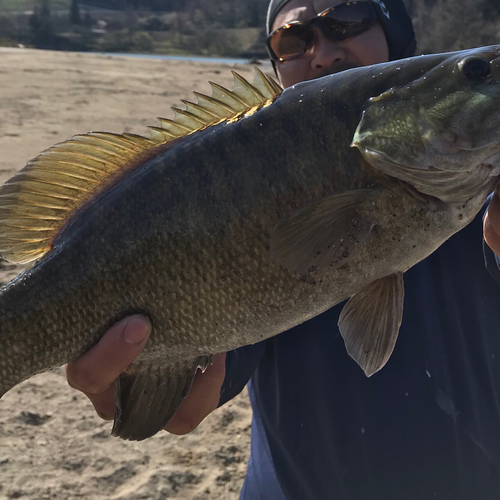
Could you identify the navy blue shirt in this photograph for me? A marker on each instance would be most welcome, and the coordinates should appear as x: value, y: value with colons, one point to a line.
x: 427, y: 426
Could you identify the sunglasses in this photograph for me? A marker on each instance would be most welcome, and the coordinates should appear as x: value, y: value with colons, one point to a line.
x: 337, y: 23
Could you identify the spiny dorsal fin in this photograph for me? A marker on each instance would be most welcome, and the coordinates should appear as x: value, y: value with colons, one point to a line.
x: 40, y: 198
x: 223, y: 105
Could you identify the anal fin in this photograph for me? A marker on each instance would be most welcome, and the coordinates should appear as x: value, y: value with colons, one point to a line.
x: 369, y: 322
x: 146, y: 399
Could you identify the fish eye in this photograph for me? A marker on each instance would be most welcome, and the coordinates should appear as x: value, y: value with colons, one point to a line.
x: 474, y: 67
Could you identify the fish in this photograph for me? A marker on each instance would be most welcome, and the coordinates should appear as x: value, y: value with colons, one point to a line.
x: 248, y: 213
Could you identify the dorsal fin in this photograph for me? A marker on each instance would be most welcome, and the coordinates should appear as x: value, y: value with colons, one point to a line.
x: 40, y: 198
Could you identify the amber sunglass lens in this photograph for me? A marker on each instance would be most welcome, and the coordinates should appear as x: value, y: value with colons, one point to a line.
x: 346, y: 20
x: 291, y: 42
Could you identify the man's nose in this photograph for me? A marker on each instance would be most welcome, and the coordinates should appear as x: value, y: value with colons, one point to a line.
x: 326, y: 53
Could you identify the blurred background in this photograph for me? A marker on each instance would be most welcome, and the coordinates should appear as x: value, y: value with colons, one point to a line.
x: 210, y: 28
x: 177, y: 27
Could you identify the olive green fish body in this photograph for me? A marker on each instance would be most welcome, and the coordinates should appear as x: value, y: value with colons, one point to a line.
x: 240, y: 231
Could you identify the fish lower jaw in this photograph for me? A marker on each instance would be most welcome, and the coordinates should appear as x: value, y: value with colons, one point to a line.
x: 493, y: 162
x: 456, y: 187
x: 464, y: 212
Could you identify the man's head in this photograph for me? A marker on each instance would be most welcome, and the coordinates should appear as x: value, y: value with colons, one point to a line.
x: 382, y: 32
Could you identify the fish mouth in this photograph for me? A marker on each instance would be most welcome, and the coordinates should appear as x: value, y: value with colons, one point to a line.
x: 439, y: 135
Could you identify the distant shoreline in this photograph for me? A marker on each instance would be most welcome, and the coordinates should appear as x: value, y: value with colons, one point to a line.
x: 192, y: 58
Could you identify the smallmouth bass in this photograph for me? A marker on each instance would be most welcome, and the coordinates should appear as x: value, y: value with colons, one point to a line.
x: 245, y: 216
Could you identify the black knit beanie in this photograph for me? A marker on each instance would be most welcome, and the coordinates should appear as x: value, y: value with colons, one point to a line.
x: 392, y: 16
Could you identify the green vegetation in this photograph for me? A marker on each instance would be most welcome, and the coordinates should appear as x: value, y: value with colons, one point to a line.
x: 445, y: 25
x: 8, y: 6
x: 218, y: 27
x: 211, y: 27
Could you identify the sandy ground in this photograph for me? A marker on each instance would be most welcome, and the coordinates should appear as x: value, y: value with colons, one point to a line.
x: 52, y: 445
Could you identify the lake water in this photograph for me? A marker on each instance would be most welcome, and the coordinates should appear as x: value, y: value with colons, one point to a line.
x: 218, y: 60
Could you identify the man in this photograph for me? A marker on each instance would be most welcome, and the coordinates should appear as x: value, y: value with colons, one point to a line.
x: 428, y: 425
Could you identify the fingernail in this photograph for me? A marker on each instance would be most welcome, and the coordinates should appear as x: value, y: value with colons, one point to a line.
x: 104, y: 416
x: 136, y: 330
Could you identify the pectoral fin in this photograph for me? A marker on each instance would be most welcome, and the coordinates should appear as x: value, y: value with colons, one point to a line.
x: 324, y: 232
x: 370, y: 321
x: 147, y: 399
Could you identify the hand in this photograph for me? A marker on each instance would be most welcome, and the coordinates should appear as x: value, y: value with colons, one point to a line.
x: 492, y: 224
x: 94, y: 374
